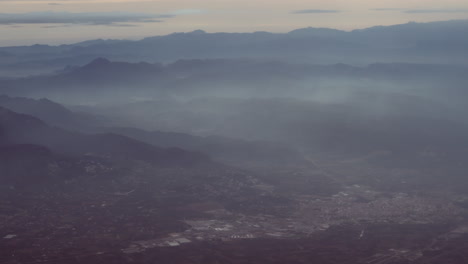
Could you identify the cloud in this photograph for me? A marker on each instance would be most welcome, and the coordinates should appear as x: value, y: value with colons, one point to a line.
x: 429, y: 11
x: 423, y: 11
x: 125, y: 25
x: 103, y: 18
x: 70, y: 25
x: 315, y: 11
x: 387, y: 9
x: 187, y: 12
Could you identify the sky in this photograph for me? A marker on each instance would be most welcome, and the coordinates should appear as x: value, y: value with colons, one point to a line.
x: 26, y: 22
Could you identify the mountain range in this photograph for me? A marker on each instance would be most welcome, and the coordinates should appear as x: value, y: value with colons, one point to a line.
x: 97, y: 130
x: 25, y: 129
x: 434, y: 42
x: 95, y: 81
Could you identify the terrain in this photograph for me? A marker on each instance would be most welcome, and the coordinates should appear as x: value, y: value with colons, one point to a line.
x: 435, y: 42
x: 101, y: 207
x: 313, y: 146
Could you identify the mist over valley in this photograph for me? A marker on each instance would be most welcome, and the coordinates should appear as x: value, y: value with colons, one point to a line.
x: 313, y: 146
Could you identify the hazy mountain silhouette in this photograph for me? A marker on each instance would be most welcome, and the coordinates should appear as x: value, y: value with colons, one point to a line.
x: 402, y: 125
x: 51, y: 112
x: 101, y: 77
x: 312, y: 146
x: 410, y: 37
x: 226, y: 150
x: 435, y: 42
x: 24, y: 129
x: 222, y: 149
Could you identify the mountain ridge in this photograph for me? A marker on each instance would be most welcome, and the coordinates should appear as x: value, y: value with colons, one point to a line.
x: 25, y: 129
x: 434, y: 42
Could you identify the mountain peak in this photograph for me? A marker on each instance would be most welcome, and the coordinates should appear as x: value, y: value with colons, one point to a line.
x: 198, y: 32
x: 99, y: 61
x: 317, y: 31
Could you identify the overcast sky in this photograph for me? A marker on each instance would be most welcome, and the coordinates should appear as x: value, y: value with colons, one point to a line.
x: 24, y: 22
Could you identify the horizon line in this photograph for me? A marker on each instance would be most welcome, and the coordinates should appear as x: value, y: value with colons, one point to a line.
x: 201, y: 31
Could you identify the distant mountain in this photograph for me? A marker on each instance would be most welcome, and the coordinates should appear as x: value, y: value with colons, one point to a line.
x: 403, y: 126
x: 100, y: 75
x: 318, y: 32
x: 49, y: 111
x: 98, y: 42
x: 24, y: 129
x: 226, y: 150
x: 448, y: 36
x: 232, y: 151
x: 103, y: 80
x: 102, y: 68
x: 310, y: 42
x: 434, y: 42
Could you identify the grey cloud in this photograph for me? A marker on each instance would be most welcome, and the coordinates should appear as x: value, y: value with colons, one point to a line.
x: 188, y: 12
x: 104, y: 18
x: 57, y: 26
x: 70, y: 25
x: 315, y: 11
x: 427, y: 11
x: 387, y: 9
x: 127, y: 25
x: 423, y: 11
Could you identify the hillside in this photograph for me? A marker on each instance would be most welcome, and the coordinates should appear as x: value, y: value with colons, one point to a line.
x: 25, y: 129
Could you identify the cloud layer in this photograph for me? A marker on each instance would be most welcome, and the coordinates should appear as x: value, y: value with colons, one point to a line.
x: 103, y: 18
x: 428, y: 11
x: 388, y: 9
x: 315, y: 11
x: 424, y: 11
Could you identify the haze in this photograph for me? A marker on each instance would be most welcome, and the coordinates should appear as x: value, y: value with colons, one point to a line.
x: 215, y: 131
x: 211, y: 16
